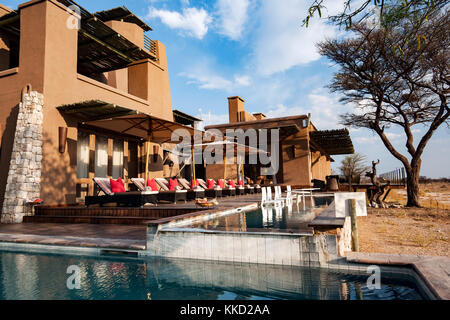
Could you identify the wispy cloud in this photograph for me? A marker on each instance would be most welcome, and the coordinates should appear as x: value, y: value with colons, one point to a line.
x: 191, y: 21
x: 233, y: 15
x: 204, y: 77
x: 281, y: 42
x: 322, y: 105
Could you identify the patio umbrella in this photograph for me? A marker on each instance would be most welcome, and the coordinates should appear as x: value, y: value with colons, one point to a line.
x: 225, y: 144
x: 144, y: 126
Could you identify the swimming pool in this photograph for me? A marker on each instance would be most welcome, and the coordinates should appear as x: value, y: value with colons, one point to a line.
x: 292, y: 218
x: 27, y: 276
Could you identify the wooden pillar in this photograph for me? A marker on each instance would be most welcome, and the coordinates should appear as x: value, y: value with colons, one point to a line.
x: 354, y: 220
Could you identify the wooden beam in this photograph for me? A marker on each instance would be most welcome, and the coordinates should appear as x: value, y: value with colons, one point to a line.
x: 109, y: 47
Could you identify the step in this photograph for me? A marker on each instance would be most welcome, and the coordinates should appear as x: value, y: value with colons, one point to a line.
x: 88, y: 220
x: 155, y: 212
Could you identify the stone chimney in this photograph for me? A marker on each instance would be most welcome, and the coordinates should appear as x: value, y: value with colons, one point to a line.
x: 235, y: 107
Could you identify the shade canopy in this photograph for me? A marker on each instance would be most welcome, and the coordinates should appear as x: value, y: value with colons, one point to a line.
x: 95, y: 110
x: 333, y: 142
x: 144, y: 126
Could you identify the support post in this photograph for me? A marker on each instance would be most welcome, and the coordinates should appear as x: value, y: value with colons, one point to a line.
x: 354, y: 220
x: 147, y: 158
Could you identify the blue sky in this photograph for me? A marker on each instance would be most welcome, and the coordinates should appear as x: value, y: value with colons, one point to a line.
x: 259, y: 51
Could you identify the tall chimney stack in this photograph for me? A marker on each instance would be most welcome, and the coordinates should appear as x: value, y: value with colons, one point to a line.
x: 236, y: 105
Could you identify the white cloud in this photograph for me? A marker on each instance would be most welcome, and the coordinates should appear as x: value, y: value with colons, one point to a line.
x: 207, y: 81
x: 192, y: 21
x: 210, y: 119
x: 233, y: 15
x: 281, y: 42
x: 204, y: 77
x: 324, y: 109
x: 243, y: 81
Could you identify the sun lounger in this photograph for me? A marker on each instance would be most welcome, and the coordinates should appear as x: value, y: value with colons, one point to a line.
x: 197, y: 193
x: 215, y: 192
x: 228, y: 190
x: 129, y: 199
x: 168, y: 195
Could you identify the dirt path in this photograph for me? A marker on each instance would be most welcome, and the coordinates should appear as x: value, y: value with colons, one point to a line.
x: 409, y: 231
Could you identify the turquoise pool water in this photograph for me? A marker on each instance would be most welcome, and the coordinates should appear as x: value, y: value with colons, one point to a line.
x: 291, y: 218
x: 26, y: 276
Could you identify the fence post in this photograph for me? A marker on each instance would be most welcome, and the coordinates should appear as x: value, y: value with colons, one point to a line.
x: 354, y: 222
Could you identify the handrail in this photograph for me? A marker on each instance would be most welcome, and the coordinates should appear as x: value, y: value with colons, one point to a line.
x: 150, y: 45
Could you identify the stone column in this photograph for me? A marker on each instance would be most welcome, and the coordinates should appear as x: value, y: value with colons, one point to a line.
x: 24, y: 177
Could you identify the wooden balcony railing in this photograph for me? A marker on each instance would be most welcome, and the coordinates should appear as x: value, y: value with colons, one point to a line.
x: 150, y: 45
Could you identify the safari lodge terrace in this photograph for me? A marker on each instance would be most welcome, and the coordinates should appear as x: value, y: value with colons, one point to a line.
x: 88, y: 162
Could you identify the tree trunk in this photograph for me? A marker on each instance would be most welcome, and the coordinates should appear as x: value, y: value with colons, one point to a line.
x: 412, y: 184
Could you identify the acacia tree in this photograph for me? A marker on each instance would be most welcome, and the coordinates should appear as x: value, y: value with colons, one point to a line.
x: 353, y: 166
x: 395, y: 88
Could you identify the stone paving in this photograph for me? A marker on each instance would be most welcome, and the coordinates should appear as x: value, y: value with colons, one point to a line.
x: 76, y: 235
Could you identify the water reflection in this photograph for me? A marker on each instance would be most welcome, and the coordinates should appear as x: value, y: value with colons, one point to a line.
x: 32, y: 276
x: 292, y: 217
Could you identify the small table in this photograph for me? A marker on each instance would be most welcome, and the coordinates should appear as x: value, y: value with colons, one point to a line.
x: 305, y: 192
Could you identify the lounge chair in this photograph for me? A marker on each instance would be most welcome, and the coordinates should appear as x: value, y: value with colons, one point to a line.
x: 215, y: 192
x: 161, y: 195
x: 197, y: 193
x: 129, y: 199
x: 240, y: 190
x: 248, y: 188
x: 168, y: 195
x: 228, y: 190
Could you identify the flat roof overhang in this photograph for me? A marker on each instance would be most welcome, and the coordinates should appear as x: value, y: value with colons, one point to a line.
x: 332, y: 142
x: 95, y: 110
x: 122, y: 14
x: 184, y: 118
x: 288, y: 126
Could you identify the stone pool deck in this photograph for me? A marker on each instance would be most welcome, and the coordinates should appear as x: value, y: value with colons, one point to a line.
x: 76, y: 235
x: 435, y: 271
x: 108, y: 236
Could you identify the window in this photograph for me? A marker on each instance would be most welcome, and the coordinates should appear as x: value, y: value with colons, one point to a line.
x: 117, y: 159
x: 82, y: 155
x: 101, y: 156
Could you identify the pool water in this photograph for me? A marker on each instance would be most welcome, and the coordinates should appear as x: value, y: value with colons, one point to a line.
x: 293, y: 218
x: 25, y: 276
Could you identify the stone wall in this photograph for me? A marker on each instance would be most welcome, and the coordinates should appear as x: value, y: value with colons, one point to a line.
x: 24, y: 177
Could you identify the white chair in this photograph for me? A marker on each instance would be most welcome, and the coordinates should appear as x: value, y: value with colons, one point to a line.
x: 263, y: 195
x: 279, y: 196
x: 266, y: 198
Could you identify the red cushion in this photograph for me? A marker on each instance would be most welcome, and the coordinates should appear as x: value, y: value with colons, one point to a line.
x: 173, y: 183
x: 117, y: 186
x: 241, y: 183
x: 211, y: 183
x: 194, y: 184
x: 222, y: 183
x: 152, y: 184
x: 232, y: 184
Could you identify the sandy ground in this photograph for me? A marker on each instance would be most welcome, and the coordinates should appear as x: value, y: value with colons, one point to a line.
x: 420, y: 231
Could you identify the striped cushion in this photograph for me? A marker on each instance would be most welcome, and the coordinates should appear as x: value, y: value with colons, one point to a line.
x: 139, y: 183
x: 162, y: 183
x: 104, y: 184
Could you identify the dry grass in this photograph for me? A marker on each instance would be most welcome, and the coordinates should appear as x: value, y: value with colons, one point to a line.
x: 432, y: 195
x: 421, y: 231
